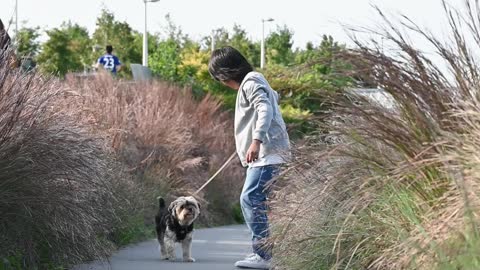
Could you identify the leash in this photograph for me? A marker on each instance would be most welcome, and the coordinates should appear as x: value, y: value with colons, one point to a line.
x: 215, y: 174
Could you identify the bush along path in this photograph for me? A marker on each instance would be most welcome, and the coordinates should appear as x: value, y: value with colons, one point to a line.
x: 79, y: 156
x: 215, y: 248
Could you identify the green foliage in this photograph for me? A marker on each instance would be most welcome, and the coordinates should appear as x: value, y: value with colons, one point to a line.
x: 65, y: 50
x: 294, y: 114
x: 16, y: 262
x: 300, y: 121
x: 80, y: 43
x: 194, y: 71
x: 55, y: 57
x: 12, y: 262
x: 27, y: 42
x: 317, y: 69
x: 240, y: 41
x: 237, y: 39
x: 183, y: 61
x: 165, y: 60
x: 279, y: 46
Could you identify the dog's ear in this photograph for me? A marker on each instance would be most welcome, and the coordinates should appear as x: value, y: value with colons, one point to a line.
x: 192, y: 199
x: 171, y: 207
x: 198, y: 205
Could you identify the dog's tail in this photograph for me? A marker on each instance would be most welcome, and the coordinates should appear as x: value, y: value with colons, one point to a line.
x: 161, y: 202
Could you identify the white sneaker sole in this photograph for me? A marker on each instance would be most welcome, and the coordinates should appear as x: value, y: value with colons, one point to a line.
x: 250, y: 265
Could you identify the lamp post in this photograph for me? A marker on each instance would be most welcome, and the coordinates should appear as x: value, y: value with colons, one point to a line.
x: 16, y: 21
x: 145, y: 35
x: 262, y: 49
x: 213, y: 41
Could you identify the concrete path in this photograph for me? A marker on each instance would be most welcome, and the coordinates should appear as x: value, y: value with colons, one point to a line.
x: 216, y: 248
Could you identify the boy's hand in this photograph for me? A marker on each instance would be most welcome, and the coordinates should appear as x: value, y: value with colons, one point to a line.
x: 253, y: 150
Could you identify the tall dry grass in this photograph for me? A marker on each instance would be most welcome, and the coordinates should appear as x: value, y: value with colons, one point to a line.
x: 59, y: 189
x: 82, y: 161
x: 171, y: 142
x: 400, y: 188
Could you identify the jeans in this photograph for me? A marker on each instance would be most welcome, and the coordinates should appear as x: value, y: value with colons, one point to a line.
x: 253, y: 201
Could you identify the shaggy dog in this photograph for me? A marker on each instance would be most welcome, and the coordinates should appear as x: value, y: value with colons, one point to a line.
x: 175, y: 224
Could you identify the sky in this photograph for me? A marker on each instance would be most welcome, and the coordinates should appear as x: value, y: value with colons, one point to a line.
x: 309, y: 19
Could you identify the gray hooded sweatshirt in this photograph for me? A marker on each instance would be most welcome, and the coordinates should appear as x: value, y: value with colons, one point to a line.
x: 257, y: 116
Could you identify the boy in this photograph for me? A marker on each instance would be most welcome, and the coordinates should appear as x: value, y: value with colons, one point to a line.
x: 261, y: 141
x: 109, y: 61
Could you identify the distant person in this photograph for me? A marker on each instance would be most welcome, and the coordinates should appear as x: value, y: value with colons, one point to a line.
x: 109, y: 61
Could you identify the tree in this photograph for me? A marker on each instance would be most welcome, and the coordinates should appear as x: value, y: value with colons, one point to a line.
x: 56, y: 56
x: 67, y: 49
x: 175, y: 32
x: 241, y: 42
x: 27, y: 42
x: 314, y: 68
x: 279, y: 46
x: 237, y: 39
x: 221, y: 36
x: 164, y: 61
x: 80, y: 44
x: 194, y: 71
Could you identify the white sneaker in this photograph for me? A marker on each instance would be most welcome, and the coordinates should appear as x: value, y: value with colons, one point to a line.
x: 253, y: 262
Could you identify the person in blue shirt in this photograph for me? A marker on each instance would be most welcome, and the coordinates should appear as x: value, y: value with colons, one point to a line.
x: 109, y: 61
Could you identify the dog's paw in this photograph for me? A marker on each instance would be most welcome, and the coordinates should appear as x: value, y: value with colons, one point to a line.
x: 189, y: 259
x: 168, y: 258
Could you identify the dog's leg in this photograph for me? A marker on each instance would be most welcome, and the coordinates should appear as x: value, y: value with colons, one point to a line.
x: 187, y: 249
x: 163, y: 251
x: 170, y: 249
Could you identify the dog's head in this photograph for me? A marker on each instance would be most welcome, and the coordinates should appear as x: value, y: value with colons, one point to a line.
x: 185, y: 210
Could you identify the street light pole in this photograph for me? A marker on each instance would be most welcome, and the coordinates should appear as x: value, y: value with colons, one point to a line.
x: 16, y: 20
x: 213, y: 40
x: 262, y: 45
x: 145, y: 39
x: 145, y: 36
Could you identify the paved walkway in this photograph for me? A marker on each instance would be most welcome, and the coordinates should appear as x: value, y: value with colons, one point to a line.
x: 216, y: 248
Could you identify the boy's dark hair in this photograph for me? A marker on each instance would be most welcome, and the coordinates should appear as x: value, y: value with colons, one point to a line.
x: 228, y: 64
x: 109, y: 49
x: 2, y: 27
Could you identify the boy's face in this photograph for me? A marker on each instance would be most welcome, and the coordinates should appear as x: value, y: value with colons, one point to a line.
x: 232, y: 84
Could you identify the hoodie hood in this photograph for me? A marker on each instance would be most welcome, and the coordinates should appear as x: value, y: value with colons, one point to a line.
x: 257, y: 78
